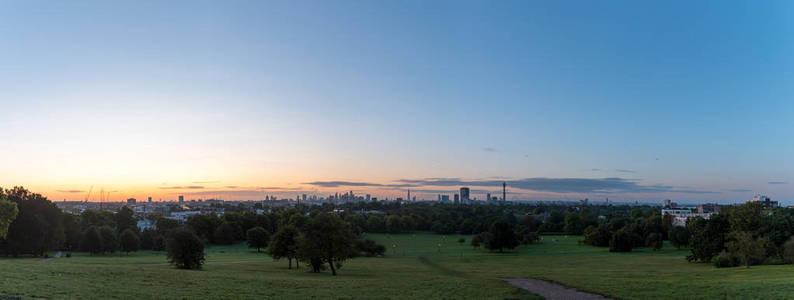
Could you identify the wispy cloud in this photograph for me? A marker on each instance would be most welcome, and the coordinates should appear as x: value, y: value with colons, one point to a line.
x: 231, y: 186
x: 625, y: 171
x: 778, y: 182
x: 333, y: 184
x: 564, y: 185
x: 70, y: 191
x: 189, y: 187
x: 489, y: 149
x: 740, y: 190
x: 206, y: 182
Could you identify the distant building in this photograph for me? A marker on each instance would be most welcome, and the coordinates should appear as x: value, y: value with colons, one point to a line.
x: 444, y: 198
x: 765, y: 201
x: 181, y: 199
x: 131, y: 201
x: 681, y: 216
x: 150, y: 199
x: 488, y: 197
x: 708, y: 208
x: 464, y: 195
x: 457, y: 199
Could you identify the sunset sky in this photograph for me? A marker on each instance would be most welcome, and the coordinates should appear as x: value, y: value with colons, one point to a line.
x: 691, y: 101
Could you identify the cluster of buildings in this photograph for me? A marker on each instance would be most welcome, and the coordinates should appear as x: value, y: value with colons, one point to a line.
x: 464, y: 197
x: 681, y: 215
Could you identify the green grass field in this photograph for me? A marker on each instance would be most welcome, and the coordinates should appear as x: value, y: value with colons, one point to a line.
x: 417, y: 266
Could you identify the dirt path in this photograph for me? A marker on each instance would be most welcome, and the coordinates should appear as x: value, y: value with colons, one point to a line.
x: 551, y: 291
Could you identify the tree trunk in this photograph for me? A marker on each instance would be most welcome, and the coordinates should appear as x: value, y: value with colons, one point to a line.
x: 331, y: 262
x: 290, y: 262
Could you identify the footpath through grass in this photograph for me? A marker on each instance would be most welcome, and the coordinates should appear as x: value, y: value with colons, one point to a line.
x: 418, y: 266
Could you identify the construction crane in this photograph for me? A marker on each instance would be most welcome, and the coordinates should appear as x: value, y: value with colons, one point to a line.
x: 89, y: 193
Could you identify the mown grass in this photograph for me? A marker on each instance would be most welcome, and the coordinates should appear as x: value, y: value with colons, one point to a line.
x: 418, y: 266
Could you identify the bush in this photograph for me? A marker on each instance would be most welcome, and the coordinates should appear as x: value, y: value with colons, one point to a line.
x: 726, y: 260
x: 367, y: 247
x: 621, y: 241
x: 461, y: 240
x: 185, y: 249
x: 596, y: 236
x: 526, y: 237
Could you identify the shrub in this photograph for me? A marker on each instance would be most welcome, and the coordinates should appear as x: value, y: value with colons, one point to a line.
x: 461, y: 240
x: 185, y: 249
x: 726, y: 260
x: 367, y: 247
x: 596, y: 236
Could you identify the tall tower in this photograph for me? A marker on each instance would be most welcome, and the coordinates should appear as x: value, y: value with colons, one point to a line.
x: 504, y: 191
x: 409, y: 194
x: 464, y: 195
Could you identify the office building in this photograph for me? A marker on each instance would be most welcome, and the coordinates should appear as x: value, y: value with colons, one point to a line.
x: 464, y: 195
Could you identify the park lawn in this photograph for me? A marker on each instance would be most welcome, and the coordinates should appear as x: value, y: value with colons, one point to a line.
x: 417, y: 266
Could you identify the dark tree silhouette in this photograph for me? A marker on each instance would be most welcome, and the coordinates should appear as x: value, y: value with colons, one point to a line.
x: 185, y: 249
x: 256, y: 238
x: 284, y: 244
x: 129, y: 241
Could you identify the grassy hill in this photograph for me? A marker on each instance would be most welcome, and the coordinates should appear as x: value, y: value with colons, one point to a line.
x: 416, y: 266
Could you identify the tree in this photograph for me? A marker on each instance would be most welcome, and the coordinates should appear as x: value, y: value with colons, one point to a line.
x: 184, y: 249
x: 283, y: 243
x: 8, y: 213
x: 129, y: 241
x: 326, y: 239
x: 110, y: 241
x: 708, y: 237
x: 394, y: 224
x: 679, y: 236
x: 501, y: 237
x: 71, y: 231
x: 788, y: 251
x: 256, y: 238
x: 621, y: 241
x: 165, y: 225
x: 125, y: 219
x: 204, y: 225
x: 597, y: 236
x: 478, y: 240
x: 574, y: 223
x: 91, y: 241
x: 748, y: 248
x: 224, y: 234
x: 38, y: 226
x: 654, y: 240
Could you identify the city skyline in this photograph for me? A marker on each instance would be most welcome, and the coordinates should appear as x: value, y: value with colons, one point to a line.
x: 631, y: 101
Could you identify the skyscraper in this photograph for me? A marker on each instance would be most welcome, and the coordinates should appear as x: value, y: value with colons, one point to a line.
x: 457, y: 199
x: 464, y: 195
x: 181, y: 199
x: 150, y: 199
x: 504, y: 191
x: 488, y: 198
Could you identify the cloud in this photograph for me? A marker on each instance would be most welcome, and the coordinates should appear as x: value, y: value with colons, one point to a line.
x: 333, y: 184
x: 489, y: 149
x: 595, y: 169
x: 625, y: 171
x: 205, y: 182
x: 563, y: 185
x: 276, y: 188
x: 740, y: 190
x: 778, y: 182
x: 189, y: 187
x: 70, y: 191
x: 231, y: 186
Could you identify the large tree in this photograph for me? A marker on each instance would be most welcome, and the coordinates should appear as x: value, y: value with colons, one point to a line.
x: 125, y: 219
x: 91, y: 241
x: 750, y: 249
x: 110, y: 241
x: 8, y: 212
x: 256, y: 238
x: 284, y: 243
x: 37, y: 227
x: 185, y: 249
x: 129, y: 241
x: 501, y: 236
x: 326, y: 239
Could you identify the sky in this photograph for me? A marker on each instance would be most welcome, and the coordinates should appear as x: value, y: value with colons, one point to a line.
x: 631, y: 100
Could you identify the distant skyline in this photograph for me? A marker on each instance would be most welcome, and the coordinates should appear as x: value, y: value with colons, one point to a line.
x: 681, y: 100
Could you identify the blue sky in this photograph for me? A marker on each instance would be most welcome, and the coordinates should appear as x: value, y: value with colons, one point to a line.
x: 138, y: 96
